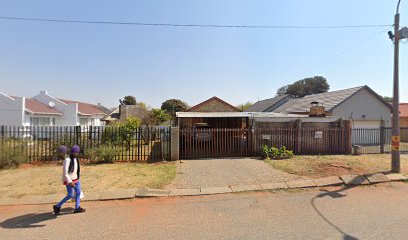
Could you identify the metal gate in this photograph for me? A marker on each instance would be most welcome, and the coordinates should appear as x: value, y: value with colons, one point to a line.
x: 215, y: 142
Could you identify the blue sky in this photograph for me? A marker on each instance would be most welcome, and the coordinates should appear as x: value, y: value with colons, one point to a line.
x: 102, y: 63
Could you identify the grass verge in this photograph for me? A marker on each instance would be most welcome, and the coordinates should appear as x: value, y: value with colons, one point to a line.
x: 46, y: 179
x: 337, y: 165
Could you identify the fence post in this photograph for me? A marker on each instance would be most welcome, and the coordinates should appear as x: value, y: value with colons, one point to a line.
x: 77, y: 134
x: 2, y: 131
x: 174, y: 143
x: 382, y: 137
x: 347, y: 128
x: 298, y: 128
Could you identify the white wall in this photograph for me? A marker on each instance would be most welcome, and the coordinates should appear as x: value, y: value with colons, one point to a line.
x: 364, y: 103
x: 27, y: 118
x: 69, y: 111
x: 11, y: 110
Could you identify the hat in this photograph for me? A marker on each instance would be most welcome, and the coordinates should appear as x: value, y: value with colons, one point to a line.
x: 75, y: 149
x: 62, y: 149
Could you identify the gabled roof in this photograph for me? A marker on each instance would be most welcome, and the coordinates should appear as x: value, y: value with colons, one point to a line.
x: 36, y: 107
x: 403, y: 108
x: 263, y: 105
x: 227, y: 105
x: 110, y: 116
x: 85, y: 108
x: 330, y: 100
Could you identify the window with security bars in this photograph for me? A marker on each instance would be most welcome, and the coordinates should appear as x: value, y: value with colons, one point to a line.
x: 42, y: 121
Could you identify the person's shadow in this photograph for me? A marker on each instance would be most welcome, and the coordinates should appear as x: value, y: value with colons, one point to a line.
x: 32, y: 220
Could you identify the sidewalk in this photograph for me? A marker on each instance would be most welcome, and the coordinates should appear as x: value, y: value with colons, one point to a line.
x: 346, y: 180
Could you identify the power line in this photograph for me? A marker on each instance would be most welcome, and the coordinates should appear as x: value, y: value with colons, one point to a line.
x: 191, y: 25
x: 340, y: 54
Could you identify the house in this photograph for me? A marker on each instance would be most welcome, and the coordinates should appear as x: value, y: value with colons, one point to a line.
x: 46, y: 110
x: 216, y: 113
x: 364, y: 107
x: 213, y: 112
x: 403, y: 108
x: 125, y: 111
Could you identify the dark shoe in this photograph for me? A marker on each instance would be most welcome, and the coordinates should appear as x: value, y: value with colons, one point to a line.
x: 79, y: 210
x: 56, y: 209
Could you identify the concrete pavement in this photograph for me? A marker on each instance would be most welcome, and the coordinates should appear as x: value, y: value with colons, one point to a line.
x: 346, y: 180
x: 370, y: 212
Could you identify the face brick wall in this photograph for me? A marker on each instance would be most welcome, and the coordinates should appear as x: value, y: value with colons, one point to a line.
x: 213, y: 105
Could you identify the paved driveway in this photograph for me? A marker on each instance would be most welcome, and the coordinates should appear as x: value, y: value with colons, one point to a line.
x: 226, y: 172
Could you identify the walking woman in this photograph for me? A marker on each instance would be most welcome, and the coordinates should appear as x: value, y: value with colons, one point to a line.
x: 70, y: 178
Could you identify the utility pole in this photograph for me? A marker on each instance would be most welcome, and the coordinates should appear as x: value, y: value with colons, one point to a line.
x: 395, y: 147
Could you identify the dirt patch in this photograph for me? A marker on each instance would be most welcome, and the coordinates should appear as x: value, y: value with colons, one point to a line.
x: 337, y: 165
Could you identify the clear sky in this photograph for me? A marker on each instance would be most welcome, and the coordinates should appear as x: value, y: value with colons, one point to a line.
x: 102, y: 63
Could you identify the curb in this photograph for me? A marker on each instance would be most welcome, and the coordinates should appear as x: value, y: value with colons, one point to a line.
x: 345, y: 180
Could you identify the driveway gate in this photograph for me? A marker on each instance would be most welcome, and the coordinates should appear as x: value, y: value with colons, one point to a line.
x: 215, y: 142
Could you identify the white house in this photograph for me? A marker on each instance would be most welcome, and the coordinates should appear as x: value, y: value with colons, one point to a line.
x: 45, y: 110
x: 364, y: 107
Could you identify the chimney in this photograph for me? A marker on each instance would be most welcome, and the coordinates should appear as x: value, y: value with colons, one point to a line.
x: 122, y: 112
x: 317, y: 110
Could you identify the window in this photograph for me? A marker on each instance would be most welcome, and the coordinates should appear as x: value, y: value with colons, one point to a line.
x: 83, y: 121
x: 42, y: 121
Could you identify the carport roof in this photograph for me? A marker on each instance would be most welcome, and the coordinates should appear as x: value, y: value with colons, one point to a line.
x: 235, y: 115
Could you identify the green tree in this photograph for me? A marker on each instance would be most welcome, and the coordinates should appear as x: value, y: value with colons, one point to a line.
x: 388, y: 99
x: 244, y: 106
x: 128, y: 100
x: 159, y: 116
x: 304, y: 87
x: 172, y: 106
x: 127, y: 129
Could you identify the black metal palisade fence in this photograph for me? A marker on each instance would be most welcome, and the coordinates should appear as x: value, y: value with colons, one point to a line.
x: 40, y: 143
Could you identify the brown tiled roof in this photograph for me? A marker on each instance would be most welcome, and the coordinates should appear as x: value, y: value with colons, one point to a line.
x: 403, y: 108
x: 85, y: 108
x: 192, y: 109
x: 39, y: 108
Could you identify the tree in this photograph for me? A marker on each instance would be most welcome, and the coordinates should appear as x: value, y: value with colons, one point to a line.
x: 304, y: 87
x: 244, y: 106
x: 128, y: 100
x: 159, y: 116
x: 172, y: 106
x: 388, y: 99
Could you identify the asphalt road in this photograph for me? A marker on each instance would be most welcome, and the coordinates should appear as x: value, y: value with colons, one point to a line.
x: 378, y: 212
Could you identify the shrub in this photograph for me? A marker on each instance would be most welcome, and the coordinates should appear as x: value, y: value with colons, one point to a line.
x: 105, y: 153
x: 11, y: 157
x: 276, y: 153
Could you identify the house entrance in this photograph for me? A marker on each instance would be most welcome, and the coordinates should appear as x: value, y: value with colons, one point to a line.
x: 205, y: 142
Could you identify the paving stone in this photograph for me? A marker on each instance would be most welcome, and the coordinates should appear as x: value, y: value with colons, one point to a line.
x: 118, y: 194
x: 355, y: 180
x: 243, y: 188
x: 8, y: 201
x: 396, y: 177
x: 157, y: 193
x: 273, y: 186
x: 40, y: 199
x: 301, y: 184
x: 92, y: 196
x: 185, y: 192
x: 376, y: 178
x: 206, y: 173
x: 328, y: 181
x: 215, y: 190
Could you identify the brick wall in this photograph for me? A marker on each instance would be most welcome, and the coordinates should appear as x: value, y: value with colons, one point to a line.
x: 213, y: 105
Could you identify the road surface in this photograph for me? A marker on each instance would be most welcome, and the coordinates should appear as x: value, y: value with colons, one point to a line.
x: 375, y: 212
